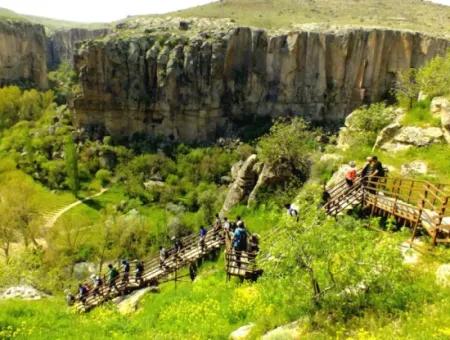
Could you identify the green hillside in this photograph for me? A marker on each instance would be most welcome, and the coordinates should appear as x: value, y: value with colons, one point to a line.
x: 50, y: 24
x: 407, y: 14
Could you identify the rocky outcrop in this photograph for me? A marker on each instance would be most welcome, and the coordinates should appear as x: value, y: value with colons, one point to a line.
x: 443, y: 275
x: 62, y: 44
x: 286, y: 332
x: 243, y: 184
x: 242, y: 333
x: 22, y: 292
x: 195, y: 87
x: 23, y: 58
x: 130, y: 303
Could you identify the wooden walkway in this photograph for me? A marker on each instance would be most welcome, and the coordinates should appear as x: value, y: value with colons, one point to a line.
x: 418, y: 204
x: 241, y: 264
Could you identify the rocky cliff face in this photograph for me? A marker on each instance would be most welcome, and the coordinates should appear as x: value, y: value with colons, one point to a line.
x: 198, y: 87
x: 62, y: 44
x: 23, y: 54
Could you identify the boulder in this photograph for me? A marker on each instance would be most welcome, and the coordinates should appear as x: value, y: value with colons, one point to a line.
x: 445, y: 119
x: 395, y: 147
x: 242, y: 186
x: 235, y: 169
x: 417, y: 136
x: 286, y: 332
x: 266, y: 177
x: 84, y: 269
x: 130, y: 303
x: 24, y: 292
x: 438, y: 104
x: 443, y: 275
x: 242, y: 333
x: 414, y: 168
x: 387, y: 134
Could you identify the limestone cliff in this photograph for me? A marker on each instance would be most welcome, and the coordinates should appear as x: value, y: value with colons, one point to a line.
x: 197, y: 87
x: 62, y: 44
x: 23, y: 54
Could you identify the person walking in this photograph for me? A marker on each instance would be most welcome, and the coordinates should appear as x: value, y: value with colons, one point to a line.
x: 162, y: 257
x: 202, y: 239
x: 113, y: 275
x: 139, y: 273
x: 126, y: 272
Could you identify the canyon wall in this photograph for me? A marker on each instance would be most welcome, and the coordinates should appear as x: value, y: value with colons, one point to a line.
x: 197, y: 88
x: 62, y: 44
x: 23, y: 54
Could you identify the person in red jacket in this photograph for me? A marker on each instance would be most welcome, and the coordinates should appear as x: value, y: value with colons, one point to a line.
x: 351, y: 174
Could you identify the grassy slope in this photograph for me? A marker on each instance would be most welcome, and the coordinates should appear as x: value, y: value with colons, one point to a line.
x: 50, y: 24
x: 405, y: 14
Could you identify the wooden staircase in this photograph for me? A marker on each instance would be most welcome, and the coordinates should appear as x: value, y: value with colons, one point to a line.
x: 154, y: 273
x: 419, y: 204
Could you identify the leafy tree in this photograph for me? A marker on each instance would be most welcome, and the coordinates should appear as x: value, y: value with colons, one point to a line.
x: 434, y: 77
x: 71, y: 158
x: 8, y: 232
x: 287, y: 147
x: 406, y: 88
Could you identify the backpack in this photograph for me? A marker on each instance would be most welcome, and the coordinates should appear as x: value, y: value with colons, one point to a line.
x: 114, y: 273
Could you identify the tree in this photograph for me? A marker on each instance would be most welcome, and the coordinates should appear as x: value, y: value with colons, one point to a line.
x: 287, y: 147
x: 71, y: 158
x: 340, y: 265
x: 434, y: 77
x: 407, y: 88
x: 8, y: 232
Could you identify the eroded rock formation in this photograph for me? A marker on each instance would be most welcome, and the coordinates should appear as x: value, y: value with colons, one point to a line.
x: 62, y: 44
x: 195, y: 87
x: 23, y: 54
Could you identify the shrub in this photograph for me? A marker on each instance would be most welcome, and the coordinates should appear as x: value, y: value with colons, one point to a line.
x: 104, y: 176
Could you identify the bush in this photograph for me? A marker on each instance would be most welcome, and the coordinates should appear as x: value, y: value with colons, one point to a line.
x: 104, y: 176
x: 434, y: 77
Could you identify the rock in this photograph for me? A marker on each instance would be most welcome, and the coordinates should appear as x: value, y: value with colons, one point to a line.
x: 62, y: 44
x: 266, y: 177
x: 242, y: 186
x: 410, y: 255
x: 83, y: 270
x: 22, y: 292
x: 286, y: 332
x: 198, y: 87
x: 414, y: 168
x: 396, y: 147
x: 443, y: 275
x: 387, y: 134
x: 447, y: 136
x: 422, y: 96
x: 242, y: 333
x: 130, y: 303
x: 184, y: 25
x: 438, y: 104
x: 417, y: 136
x: 153, y: 184
x: 23, y: 54
x: 445, y: 118
x: 331, y: 157
x: 235, y: 169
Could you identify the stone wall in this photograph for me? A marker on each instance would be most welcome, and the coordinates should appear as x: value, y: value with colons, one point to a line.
x: 23, y: 58
x: 196, y: 88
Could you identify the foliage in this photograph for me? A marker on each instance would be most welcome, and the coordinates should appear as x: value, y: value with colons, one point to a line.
x: 434, y: 77
x: 420, y: 115
x: 71, y: 158
x: 406, y: 88
x: 64, y: 82
x: 287, y: 147
x: 16, y: 105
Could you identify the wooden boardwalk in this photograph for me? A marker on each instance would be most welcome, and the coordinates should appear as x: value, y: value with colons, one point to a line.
x: 418, y: 204
x: 241, y: 264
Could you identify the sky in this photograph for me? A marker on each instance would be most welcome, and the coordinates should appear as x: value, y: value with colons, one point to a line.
x: 103, y: 10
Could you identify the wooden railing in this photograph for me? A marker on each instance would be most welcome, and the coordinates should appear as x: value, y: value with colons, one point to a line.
x: 242, y: 264
x: 154, y: 270
x: 416, y: 202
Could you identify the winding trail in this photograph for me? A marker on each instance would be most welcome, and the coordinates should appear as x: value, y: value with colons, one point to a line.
x: 51, y: 219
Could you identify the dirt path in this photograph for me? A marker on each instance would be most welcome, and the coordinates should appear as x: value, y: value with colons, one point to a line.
x: 51, y: 220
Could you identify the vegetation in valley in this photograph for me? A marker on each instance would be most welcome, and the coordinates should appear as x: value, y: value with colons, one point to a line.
x: 338, y: 278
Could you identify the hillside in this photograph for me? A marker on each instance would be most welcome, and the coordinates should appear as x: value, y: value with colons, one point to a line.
x: 406, y: 14
x: 50, y: 24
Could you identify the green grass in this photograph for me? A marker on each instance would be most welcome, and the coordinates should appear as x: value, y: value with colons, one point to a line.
x: 420, y: 115
x: 406, y: 14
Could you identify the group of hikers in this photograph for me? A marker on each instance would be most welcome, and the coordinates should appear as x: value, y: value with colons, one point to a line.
x: 236, y: 236
x: 371, y: 172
